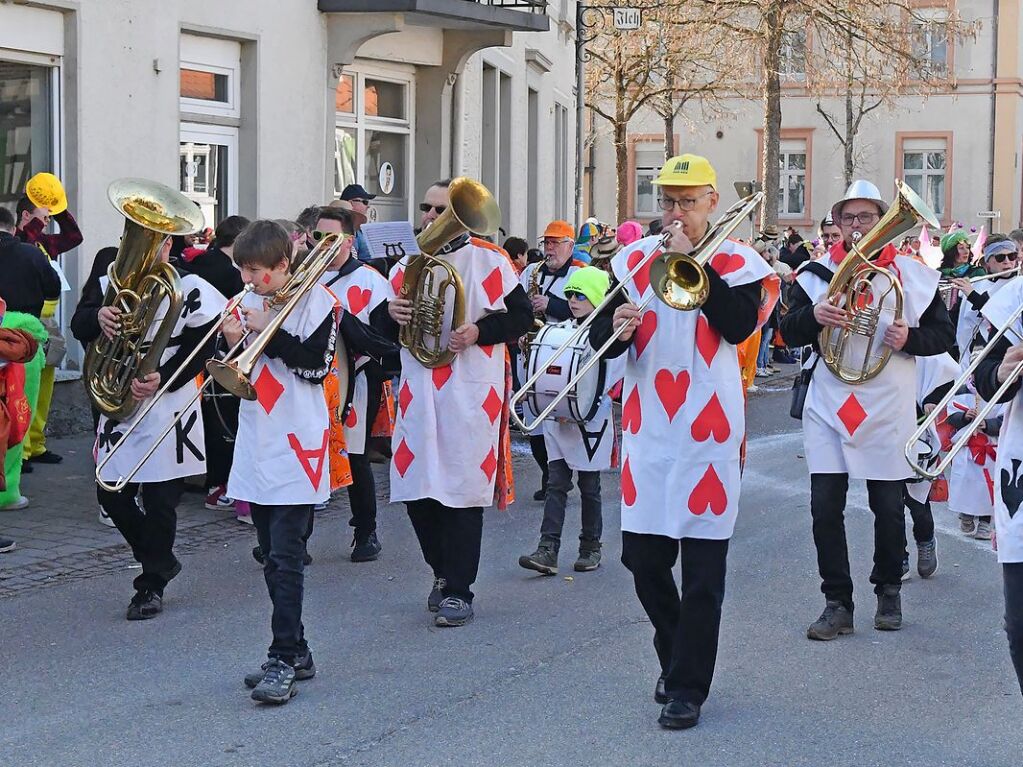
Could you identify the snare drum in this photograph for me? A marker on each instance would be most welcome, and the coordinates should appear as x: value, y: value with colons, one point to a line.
x: 583, y: 400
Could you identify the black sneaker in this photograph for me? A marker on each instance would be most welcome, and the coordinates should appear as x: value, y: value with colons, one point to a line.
x: 365, y: 548
x: 540, y: 494
x: 436, y: 595
x: 835, y: 621
x: 277, y: 684
x: 304, y: 669
x: 544, y: 560
x: 47, y: 456
x: 26, y: 467
x: 679, y: 715
x: 889, y: 610
x: 6, y: 544
x: 144, y: 605
x: 926, y: 558
x: 454, y: 611
x: 660, y: 696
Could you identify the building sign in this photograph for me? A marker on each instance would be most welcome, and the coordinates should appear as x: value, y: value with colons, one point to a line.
x: 627, y: 18
x: 386, y: 178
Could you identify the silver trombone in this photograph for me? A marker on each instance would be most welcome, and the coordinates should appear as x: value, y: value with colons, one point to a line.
x: 945, y: 287
x: 680, y: 283
x: 116, y: 487
x: 918, y: 464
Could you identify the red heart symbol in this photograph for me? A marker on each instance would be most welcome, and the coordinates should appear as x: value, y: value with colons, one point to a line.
x: 632, y: 413
x: 726, y: 263
x: 708, y: 493
x: 358, y: 299
x: 642, y: 277
x: 672, y: 390
x: 352, y: 418
x: 711, y: 421
x: 628, y: 485
x: 645, y: 331
x: 441, y: 376
x: 707, y: 340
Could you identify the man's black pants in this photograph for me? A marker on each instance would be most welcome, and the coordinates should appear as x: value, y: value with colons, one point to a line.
x: 827, y: 506
x: 686, y: 626
x: 220, y: 424
x: 362, y: 493
x: 923, y: 518
x: 450, y: 540
x: 150, y: 534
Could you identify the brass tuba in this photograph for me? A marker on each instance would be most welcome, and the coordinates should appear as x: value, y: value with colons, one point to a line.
x: 471, y: 208
x: 851, y: 352
x: 146, y: 290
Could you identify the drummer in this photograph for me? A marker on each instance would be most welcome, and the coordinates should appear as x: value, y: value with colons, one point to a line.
x: 586, y: 448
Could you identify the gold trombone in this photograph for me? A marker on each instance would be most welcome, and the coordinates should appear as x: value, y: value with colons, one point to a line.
x: 232, y: 372
x: 677, y: 279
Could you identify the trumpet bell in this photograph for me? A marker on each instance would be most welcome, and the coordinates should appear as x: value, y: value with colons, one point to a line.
x: 154, y: 206
x: 679, y: 281
x: 228, y: 376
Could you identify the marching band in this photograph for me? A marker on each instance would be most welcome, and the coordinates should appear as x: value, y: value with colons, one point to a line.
x: 317, y: 343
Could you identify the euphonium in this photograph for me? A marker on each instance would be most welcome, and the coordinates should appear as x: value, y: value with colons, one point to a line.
x: 851, y: 352
x: 428, y: 280
x: 142, y: 287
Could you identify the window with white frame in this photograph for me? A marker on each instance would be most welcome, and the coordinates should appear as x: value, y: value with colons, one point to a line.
x: 28, y: 141
x: 649, y: 159
x: 924, y: 168
x: 792, y: 179
x: 372, y: 145
x: 930, y: 41
x: 792, y: 55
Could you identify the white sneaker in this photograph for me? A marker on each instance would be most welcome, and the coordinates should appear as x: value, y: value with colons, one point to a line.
x: 753, y: 388
x: 761, y: 373
x: 967, y: 524
x: 245, y: 519
x: 983, y: 531
x: 104, y: 518
x: 21, y: 503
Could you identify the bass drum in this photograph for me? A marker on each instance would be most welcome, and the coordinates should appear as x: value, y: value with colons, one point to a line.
x: 583, y: 400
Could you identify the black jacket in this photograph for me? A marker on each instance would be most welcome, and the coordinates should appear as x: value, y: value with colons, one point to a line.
x: 217, y: 268
x: 26, y: 277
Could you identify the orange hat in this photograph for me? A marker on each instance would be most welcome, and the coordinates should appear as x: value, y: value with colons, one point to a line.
x: 559, y: 229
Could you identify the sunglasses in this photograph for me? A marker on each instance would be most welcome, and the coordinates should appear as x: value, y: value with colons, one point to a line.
x: 1003, y: 257
x: 425, y: 207
x: 570, y: 294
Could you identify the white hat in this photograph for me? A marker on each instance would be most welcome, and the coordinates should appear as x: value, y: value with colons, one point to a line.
x: 859, y: 190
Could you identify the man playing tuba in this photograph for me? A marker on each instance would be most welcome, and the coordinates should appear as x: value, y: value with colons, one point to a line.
x: 858, y: 430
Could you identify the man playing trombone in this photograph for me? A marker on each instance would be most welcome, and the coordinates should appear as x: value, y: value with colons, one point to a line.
x: 857, y: 428
x: 683, y: 423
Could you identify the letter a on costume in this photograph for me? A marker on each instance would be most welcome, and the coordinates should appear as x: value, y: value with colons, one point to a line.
x: 304, y: 456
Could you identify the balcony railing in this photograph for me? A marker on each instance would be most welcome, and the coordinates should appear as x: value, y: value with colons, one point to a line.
x: 516, y: 15
x: 533, y: 6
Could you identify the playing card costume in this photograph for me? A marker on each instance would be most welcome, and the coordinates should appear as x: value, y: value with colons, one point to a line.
x: 860, y: 431
x: 683, y: 422
x: 446, y: 444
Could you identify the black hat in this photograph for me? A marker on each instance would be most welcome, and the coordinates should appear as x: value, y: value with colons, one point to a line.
x: 356, y: 192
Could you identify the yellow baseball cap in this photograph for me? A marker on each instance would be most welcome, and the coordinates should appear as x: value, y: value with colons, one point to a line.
x: 44, y: 190
x: 687, y: 170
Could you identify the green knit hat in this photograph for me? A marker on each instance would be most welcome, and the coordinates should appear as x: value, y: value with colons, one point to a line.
x: 590, y: 281
x: 952, y: 239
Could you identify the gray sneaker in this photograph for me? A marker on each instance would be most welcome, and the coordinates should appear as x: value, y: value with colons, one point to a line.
x: 589, y: 557
x: 304, y: 669
x: 983, y: 532
x: 544, y: 560
x: 278, y: 683
x: 889, y: 610
x: 436, y: 595
x: 453, y: 611
x: 926, y: 558
x: 835, y: 621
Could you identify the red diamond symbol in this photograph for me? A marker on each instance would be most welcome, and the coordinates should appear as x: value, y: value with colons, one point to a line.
x: 268, y: 389
x: 403, y: 458
x: 852, y: 414
x: 397, y: 280
x: 404, y: 398
x: 493, y: 285
x: 489, y: 465
x: 440, y: 376
x: 492, y: 405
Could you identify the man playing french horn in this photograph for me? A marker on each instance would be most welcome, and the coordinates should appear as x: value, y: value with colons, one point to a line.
x: 856, y: 426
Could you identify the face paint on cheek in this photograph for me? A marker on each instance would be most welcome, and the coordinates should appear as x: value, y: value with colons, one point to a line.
x: 266, y: 279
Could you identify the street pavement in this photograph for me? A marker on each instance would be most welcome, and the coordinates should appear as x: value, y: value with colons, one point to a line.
x: 554, y: 671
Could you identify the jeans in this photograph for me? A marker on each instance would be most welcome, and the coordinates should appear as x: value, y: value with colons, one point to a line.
x: 764, y: 355
x: 150, y: 534
x: 686, y: 627
x: 558, y: 486
x: 281, y: 531
x: 923, y: 519
x: 827, y: 506
x: 450, y: 540
x: 1012, y: 575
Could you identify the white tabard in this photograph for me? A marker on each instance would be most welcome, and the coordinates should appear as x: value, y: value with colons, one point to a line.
x: 280, y: 453
x: 360, y: 291
x: 182, y: 452
x: 861, y: 430
x: 683, y: 415
x: 587, y: 446
x: 448, y: 419
x: 931, y: 373
x: 970, y: 320
x: 971, y: 485
x: 1009, y: 464
x: 552, y: 284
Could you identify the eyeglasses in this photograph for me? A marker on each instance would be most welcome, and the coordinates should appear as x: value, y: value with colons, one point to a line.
x: 426, y: 207
x: 831, y: 237
x: 570, y: 294
x: 863, y: 218
x: 554, y: 240
x: 686, y: 203
x: 1002, y: 257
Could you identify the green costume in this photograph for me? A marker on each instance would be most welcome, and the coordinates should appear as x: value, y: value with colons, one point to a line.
x: 33, y: 370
